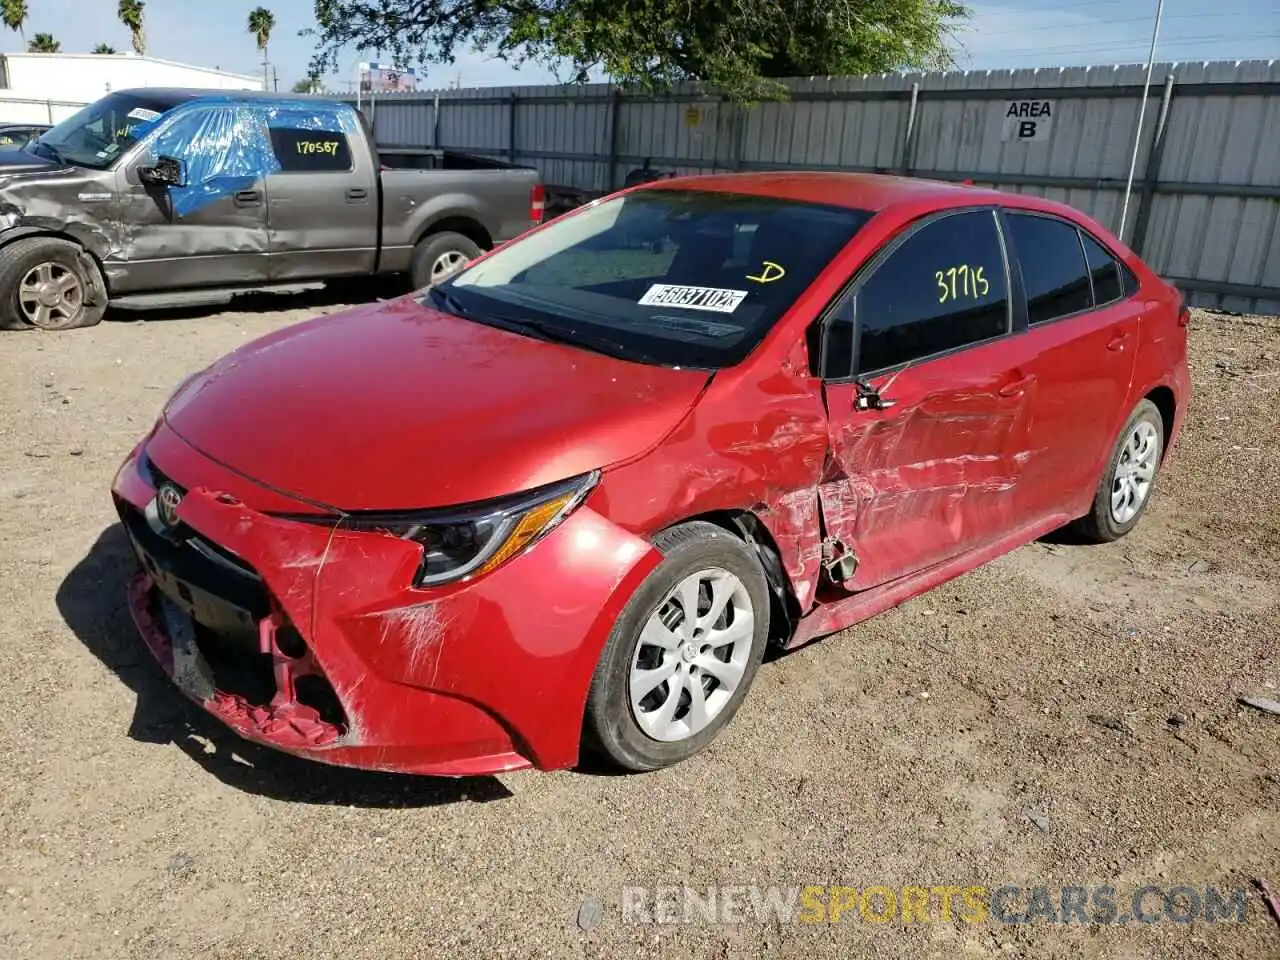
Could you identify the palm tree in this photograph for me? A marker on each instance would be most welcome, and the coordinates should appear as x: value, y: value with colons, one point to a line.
x: 103, y: 48
x: 130, y: 14
x: 44, y: 43
x: 14, y: 15
x: 261, y: 22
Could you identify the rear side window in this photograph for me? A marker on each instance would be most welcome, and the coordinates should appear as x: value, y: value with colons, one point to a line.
x: 1053, y: 268
x: 311, y: 151
x: 942, y: 289
x: 1104, y: 271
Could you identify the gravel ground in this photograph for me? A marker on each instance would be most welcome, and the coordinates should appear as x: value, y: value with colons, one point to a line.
x: 1066, y: 715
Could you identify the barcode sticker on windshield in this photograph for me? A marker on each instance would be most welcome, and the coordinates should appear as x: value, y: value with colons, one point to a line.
x: 142, y: 113
x: 693, y: 298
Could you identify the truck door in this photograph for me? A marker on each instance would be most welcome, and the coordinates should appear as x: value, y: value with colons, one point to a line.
x: 210, y: 232
x: 323, y: 200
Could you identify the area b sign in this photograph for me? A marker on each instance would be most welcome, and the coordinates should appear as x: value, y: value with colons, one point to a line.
x: 1027, y: 120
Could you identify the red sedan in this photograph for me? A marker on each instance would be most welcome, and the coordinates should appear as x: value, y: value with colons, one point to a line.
x: 566, y: 498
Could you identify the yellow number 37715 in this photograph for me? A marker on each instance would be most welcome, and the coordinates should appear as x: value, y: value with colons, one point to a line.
x: 961, y: 281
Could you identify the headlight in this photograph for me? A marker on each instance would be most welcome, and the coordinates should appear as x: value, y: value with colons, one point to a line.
x: 470, y: 541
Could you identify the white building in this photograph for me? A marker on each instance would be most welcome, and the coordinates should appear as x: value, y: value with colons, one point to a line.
x: 48, y: 87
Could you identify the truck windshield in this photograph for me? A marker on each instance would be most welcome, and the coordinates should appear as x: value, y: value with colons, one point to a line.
x: 95, y: 136
x: 671, y: 276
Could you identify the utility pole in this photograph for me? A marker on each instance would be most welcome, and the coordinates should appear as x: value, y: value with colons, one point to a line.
x: 1142, y: 112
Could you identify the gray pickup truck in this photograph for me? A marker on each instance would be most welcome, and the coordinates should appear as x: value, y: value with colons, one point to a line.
x: 151, y: 197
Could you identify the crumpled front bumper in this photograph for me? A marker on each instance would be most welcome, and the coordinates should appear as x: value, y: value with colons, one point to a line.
x: 310, y: 639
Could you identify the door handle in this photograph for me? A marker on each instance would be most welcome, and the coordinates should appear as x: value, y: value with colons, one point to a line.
x: 1017, y: 387
x: 357, y: 194
x: 1116, y: 343
x: 247, y: 198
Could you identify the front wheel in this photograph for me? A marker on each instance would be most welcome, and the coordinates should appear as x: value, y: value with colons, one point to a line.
x: 682, y: 655
x: 49, y: 284
x: 1125, y: 488
x: 438, y: 256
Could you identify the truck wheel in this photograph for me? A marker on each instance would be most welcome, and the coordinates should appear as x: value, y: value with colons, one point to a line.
x: 49, y: 284
x: 438, y: 256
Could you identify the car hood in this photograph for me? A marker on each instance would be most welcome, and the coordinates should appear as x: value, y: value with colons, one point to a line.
x: 397, y: 406
x: 21, y: 161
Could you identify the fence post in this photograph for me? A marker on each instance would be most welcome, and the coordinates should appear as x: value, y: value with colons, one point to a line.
x: 1151, y: 178
x: 615, y: 115
x: 511, y: 127
x: 435, y: 122
x: 908, y: 140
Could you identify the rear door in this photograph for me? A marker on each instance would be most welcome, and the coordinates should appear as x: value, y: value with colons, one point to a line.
x: 323, y: 201
x: 929, y: 326
x: 1083, y: 334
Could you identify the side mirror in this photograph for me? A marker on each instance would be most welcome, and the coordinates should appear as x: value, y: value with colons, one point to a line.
x: 165, y: 172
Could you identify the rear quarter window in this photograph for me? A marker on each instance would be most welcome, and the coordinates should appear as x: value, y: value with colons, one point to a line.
x: 311, y: 151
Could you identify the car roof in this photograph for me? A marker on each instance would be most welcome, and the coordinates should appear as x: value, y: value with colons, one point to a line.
x: 861, y: 191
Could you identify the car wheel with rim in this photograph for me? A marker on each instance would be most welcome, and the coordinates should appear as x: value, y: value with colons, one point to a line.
x: 47, y: 284
x: 681, y: 657
x: 439, y: 256
x: 1125, y: 489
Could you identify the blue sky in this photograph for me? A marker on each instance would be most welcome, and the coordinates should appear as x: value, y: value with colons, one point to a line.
x: 1003, y: 33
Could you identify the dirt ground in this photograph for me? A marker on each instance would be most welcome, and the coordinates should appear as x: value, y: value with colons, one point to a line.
x: 1066, y: 715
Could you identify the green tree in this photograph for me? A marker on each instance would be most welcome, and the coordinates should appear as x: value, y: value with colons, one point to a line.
x: 14, y: 15
x: 305, y: 85
x: 130, y: 13
x: 742, y: 46
x: 103, y: 48
x: 44, y: 43
x: 261, y: 22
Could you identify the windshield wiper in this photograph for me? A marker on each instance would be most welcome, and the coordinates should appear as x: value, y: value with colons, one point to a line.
x: 52, y: 150
x: 443, y: 298
x: 542, y: 331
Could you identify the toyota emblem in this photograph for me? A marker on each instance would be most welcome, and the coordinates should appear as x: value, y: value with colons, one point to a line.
x: 167, y: 499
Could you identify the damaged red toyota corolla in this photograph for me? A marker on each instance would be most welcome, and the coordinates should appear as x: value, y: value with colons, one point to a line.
x: 568, y: 497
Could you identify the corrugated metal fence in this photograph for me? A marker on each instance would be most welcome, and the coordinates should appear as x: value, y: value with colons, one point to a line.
x: 1205, y: 207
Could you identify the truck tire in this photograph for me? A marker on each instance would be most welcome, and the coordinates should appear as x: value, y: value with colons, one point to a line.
x: 49, y: 284
x: 439, y: 256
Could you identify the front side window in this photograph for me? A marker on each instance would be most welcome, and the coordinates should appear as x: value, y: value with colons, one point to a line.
x: 1053, y: 268
x: 669, y: 276
x: 943, y: 288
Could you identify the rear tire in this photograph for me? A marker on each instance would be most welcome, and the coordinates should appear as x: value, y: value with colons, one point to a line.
x: 1125, y: 488
x: 49, y: 284
x: 668, y: 683
x: 439, y: 256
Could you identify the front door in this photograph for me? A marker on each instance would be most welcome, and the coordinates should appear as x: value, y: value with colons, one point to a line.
x: 211, y: 232
x: 935, y: 473
x: 1083, y: 333
x: 324, y: 200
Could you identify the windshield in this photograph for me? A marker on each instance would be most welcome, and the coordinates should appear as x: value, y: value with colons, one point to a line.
x: 675, y: 277
x: 95, y: 136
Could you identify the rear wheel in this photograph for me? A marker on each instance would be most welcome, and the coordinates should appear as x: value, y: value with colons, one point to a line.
x: 1125, y: 488
x: 49, y: 284
x: 682, y: 655
x: 438, y: 256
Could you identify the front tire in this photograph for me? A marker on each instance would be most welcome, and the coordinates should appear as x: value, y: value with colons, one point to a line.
x: 1125, y: 488
x: 438, y: 256
x: 49, y: 284
x: 681, y: 657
